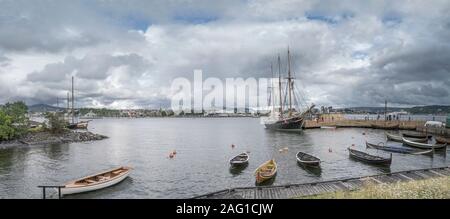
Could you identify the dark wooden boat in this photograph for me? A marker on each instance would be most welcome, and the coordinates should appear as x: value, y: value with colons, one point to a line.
x: 390, y: 127
x: 442, y: 140
x: 397, y: 149
x: 423, y: 145
x: 368, y: 158
x: 398, y: 138
x: 415, y: 135
x: 240, y: 159
x: 307, y: 159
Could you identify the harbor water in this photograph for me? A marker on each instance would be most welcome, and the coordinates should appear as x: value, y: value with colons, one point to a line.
x: 201, y: 164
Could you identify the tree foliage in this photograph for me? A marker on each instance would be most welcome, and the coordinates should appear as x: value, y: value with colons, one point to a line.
x: 13, y: 120
x: 56, y: 122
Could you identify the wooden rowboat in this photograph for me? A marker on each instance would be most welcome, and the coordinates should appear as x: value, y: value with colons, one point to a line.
x: 368, y: 158
x: 392, y: 127
x: 240, y: 159
x: 399, y: 138
x: 423, y: 145
x: 442, y: 140
x: 397, y: 149
x: 307, y: 160
x: 266, y: 171
x: 96, y: 181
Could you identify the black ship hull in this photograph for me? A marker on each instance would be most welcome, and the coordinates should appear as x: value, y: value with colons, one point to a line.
x: 291, y: 124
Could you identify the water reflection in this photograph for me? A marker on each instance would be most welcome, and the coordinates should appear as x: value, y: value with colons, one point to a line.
x: 316, y: 171
x: 237, y: 169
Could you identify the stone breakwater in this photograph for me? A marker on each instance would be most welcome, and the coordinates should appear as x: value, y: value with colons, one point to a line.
x: 42, y: 138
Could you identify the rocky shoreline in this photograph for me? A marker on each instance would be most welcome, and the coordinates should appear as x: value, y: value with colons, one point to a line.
x: 42, y: 138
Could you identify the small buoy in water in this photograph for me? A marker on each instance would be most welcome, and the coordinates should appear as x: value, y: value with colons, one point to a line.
x: 364, y: 133
x: 353, y: 145
x: 330, y: 150
x: 174, y: 152
x: 171, y: 155
x: 232, y: 146
x: 281, y: 150
x: 286, y: 148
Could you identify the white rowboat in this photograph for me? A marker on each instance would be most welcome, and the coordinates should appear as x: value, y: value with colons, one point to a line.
x: 96, y: 181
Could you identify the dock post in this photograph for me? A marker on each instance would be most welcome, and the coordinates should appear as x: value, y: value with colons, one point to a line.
x: 43, y: 192
x: 59, y: 192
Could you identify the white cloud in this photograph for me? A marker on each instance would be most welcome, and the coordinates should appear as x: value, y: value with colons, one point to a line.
x: 348, y: 53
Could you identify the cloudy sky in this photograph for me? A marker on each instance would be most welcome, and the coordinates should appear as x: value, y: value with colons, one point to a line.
x: 125, y: 54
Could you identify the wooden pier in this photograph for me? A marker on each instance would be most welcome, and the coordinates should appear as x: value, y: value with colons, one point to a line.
x: 307, y: 189
x: 344, y: 123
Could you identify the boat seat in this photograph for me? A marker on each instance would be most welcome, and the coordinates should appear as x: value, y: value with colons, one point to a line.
x: 117, y: 172
x: 91, y: 181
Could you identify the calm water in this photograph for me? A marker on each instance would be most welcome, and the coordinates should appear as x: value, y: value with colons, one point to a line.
x: 201, y: 164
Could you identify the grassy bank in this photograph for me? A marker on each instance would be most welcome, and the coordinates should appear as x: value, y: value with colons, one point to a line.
x: 436, y: 188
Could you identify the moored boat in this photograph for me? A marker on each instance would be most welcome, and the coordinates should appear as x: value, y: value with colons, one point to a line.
x: 307, y: 159
x: 386, y: 126
x: 415, y: 135
x: 423, y: 145
x: 442, y: 140
x: 240, y: 159
x: 266, y: 171
x: 399, y: 138
x: 96, y: 181
x: 397, y: 149
x: 368, y: 158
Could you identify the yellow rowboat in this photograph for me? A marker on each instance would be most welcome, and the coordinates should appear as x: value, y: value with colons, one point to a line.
x: 266, y: 171
x: 97, y: 181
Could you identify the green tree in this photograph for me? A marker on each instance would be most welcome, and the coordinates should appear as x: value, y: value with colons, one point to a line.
x: 18, y: 120
x: 6, y: 128
x: 56, y: 122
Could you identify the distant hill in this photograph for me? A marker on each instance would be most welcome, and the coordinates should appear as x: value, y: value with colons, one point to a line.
x: 42, y: 108
x: 433, y: 109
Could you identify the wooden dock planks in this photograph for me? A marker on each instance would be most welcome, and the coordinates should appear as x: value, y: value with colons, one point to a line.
x: 307, y: 189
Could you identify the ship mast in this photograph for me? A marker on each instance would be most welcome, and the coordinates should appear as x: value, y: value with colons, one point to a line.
x: 279, y: 86
x: 290, y: 83
x: 272, y: 94
x: 73, y: 112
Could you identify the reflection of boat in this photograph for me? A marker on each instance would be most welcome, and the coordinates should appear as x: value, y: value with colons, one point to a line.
x: 398, y: 149
x: 368, y: 158
x: 317, y: 171
x: 97, y: 181
x: 266, y: 171
x: 294, y: 120
x: 399, y: 138
x: 385, y: 126
x: 307, y: 160
x: 423, y: 145
x: 442, y: 140
x: 240, y: 159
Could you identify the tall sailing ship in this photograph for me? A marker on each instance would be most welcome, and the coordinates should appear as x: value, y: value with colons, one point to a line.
x: 279, y: 119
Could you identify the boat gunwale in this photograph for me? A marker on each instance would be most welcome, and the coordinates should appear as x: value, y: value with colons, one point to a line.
x: 128, y: 169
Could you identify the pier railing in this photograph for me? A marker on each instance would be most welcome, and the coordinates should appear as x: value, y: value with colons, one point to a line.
x: 44, y: 187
